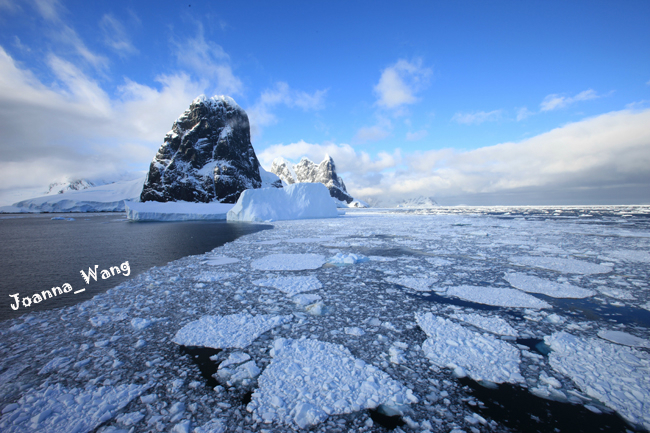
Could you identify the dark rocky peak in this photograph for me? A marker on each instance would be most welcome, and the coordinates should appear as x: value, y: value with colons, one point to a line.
x: 207, y: 156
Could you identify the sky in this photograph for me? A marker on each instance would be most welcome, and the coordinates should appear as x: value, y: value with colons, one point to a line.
x: 468, y: 102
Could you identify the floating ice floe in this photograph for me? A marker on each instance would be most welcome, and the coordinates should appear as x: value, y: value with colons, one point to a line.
x: 493, y: 324
x: 623, y: 338
x: 479, y: 356
x: 531, y: 284
x: 438, y: 261
x: 496, y: 296
x: 415, y: 283
x: 235, y: 375
x: 638, y: 256
x: 308, y: 380
x: 355, y: 330
x: 220, y: 260
x: 288, y: 262
x: 212, y: 426
x: 291, y: 285
x: 347, y: 259
x: 616, y: 293
x: 569, y: 266
x: 615, y: 375
x: 221, y: 332
x: 213, y: 277
x: 57, y: 409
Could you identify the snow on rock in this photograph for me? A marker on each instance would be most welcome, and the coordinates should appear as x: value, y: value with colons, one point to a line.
x: 308, y: 171
x: 221, y: 332
x: 531, y: 284
x: 480, y: 356
x: 623, y: 338
x: 497, y: 296
x: 297, y: 201
x: 308, y: 380
x: 569, y: 266
x: 176, y: 211
x: 493, y: 324
x: 415, y: 283
x: 206, y: 157
x: 347, y: 259
x: 615, y: 375
x: 291, y: 285
x: 56, y: 409
x: 288, y: 262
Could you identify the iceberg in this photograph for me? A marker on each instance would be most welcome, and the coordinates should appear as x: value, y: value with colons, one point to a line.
x: 297, y: 201
x: 176, y: 211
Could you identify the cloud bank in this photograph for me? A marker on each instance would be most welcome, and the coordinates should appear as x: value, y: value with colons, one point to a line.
x: 600, y: 160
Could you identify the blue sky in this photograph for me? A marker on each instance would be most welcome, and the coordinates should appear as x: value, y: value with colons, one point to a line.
x: 501, y: 102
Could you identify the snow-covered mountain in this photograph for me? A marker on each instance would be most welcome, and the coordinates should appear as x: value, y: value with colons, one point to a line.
x: 418, y: 202
x: 207, y: 156
x: 103, y: 198
x: 73, y: 185
x: 308, y: 171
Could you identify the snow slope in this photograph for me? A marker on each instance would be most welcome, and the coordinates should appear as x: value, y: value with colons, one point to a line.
x: 105, y: 198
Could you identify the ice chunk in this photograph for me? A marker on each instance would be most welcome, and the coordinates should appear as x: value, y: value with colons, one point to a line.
x: 220, y: 260
x: 99, y: 320
x: 235, y: 358
x: 305, y: 299
x: 623, y: 338
x: 531, y: 284
x: 356, y: 331
x: 240, y: 375
x: 415, y: 283
x: 55, y: 408
x: 288, y: 262
x: 493, y: 324
x: 308, y: 380
x: 615, y: 375
x: 296, y: 201
x: 347, y: 259
x: 213, y: 277
x: 212, y: 426
x: 140, y: 323
x: 291, y: 285
x: 56, y: 363
x: 221, y: 332
x: 570, y: 266
x: 481, y: 356
x: 497, y: 296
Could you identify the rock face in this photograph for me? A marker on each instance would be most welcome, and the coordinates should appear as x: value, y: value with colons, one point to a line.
x: 206, y: 157
x: 308, y: 171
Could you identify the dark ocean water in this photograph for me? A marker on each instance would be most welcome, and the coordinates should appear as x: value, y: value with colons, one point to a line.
x: 38, y: 253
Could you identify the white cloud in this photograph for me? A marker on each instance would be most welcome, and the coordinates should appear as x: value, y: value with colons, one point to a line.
x: 523, y: 113
x: 598, y: 157
x: 555, y: 101
x: 261, y: 115
x: 72, y: 128
x: 418, y: 135
x: 116, y: 37
x: 400, y: 82
x: 209, y: 62
x: 477, y: 117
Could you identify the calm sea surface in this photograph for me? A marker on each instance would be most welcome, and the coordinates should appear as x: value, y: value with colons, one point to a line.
x: 38, y: 253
